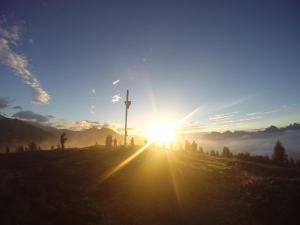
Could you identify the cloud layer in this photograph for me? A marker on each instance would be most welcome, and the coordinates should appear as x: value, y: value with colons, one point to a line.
x: 9, y: 37
x: 31, y: 116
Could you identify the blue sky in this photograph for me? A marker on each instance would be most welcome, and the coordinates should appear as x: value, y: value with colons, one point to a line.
x: 236, y: 60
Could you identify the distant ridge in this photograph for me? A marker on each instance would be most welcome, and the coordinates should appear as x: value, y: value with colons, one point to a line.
x: 248, y: 134
x: 14, y: 132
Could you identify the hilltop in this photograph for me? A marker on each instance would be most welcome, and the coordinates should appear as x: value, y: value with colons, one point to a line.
x: 157, y: 187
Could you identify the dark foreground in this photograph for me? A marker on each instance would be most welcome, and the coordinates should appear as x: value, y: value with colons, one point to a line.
x: 157, y: 187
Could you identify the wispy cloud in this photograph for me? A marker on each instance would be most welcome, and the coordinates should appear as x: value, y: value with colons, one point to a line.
x: 116, y: 98
x: 222, y: 117
x: 92, y: 109
x: 9, y: 37
x: 276, y: 110
x: 115, y: 82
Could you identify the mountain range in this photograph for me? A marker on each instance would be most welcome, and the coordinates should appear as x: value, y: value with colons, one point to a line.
x: 14, y: 132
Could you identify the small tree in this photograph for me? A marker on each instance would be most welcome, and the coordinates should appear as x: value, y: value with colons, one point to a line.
x: 226, y: 152
x: 187, y: 146
x: 20, y: 148
x: 279, y: 156
x: 200, y: 149
x: 194, y: 146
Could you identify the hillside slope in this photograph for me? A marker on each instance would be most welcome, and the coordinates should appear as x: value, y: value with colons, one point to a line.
x: 157, y: 187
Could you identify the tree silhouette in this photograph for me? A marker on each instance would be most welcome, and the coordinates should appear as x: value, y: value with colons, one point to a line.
x: 20, y: 148
x: 200, y: 149
x: 226, y: 152
x: 194, y: 146
x: 279, y: 156
x: 212, y: 153
x: 32, y: 146
x: 187, y: 146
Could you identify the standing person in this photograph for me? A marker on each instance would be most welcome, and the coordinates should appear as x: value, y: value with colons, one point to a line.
x: 115, y: 142
x: 132, y: 142
x: 63, y: 139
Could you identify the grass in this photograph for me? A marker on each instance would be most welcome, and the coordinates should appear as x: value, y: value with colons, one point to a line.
x: 157, y: 187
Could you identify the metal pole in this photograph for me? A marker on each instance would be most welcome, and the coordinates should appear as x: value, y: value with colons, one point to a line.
x: 127, y: 104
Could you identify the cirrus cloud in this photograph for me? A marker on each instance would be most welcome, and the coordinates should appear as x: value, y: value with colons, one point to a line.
x: 9, y: 37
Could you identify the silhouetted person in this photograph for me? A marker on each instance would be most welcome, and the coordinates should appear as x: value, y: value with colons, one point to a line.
x: 7, y: 150
x: 132, y: 142
x: 108, y: 141
x: 279, y: 156
x: 115, y: 143
x: 145, y: 141
x: 63, y: 139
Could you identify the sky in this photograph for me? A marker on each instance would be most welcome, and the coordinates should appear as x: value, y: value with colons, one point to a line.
x: 236, y: 64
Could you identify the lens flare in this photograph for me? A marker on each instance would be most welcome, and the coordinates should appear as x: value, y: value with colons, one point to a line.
x: 162, y: 133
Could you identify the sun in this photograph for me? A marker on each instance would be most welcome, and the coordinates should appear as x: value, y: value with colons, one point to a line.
x: 162, y: 133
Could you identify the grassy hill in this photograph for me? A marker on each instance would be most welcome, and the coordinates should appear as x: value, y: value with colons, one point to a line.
x: 157, y: 187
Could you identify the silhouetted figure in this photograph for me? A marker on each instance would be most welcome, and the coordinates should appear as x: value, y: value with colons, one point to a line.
x: 108, y: 141
x: 32, y: 146
x: 7, y: 150
x: 52, y: 147
x: 145, y: 141
x: 63, y: 139
x: 115, y: 143
x: 132, y: 142
x: 279, y: 156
